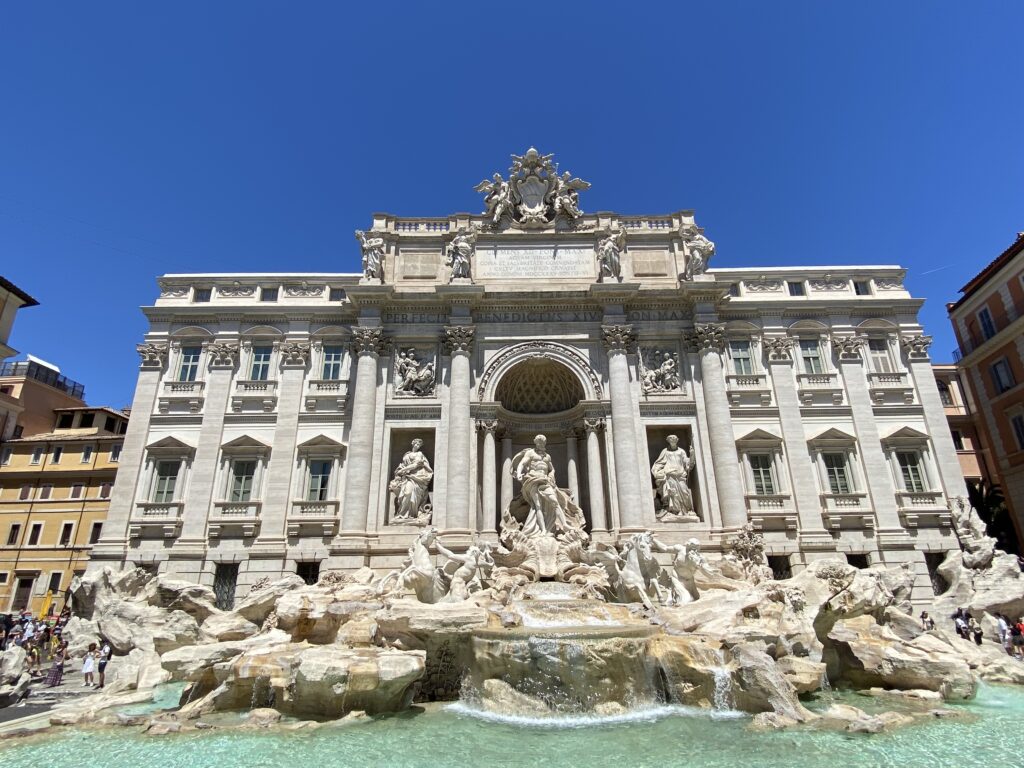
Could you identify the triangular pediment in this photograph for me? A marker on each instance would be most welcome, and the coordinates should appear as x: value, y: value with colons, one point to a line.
x: 321, y: 441
x: 246, y: 441
x: 759, y: 436
x: 906, y: 434
x: 170, y: 443
x: 833, y: 435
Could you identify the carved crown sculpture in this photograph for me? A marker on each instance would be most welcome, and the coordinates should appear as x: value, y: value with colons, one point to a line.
x: 367, y: 341
x: 153, y: 354
x: 618, y: 338
x: 534, y: 194
x: 916, y: 346
x: 458, y: 338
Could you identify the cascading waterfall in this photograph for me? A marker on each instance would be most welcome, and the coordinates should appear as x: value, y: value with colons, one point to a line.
x: 723, y: 698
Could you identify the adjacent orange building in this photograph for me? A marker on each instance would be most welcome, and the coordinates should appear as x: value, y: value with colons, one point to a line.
x: 989, y: 324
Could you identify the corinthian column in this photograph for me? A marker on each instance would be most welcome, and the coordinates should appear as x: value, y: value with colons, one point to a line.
x: 489, y: 481
x: 595, y: 480
x: 572, y: 457
x: 366, y: 345
x: 458, y: 342
x: 709, y: 339
x: 506, y: 469
x: 619, y: 340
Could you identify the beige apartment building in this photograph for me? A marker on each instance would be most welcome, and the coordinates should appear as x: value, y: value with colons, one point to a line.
x: 54, y: 493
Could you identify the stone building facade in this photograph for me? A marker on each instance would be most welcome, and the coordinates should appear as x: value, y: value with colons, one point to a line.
x: 273, y: 421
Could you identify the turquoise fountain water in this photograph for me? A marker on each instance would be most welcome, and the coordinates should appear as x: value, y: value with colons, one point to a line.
x: 453, y: 736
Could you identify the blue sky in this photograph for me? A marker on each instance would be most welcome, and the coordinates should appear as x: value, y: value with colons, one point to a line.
x: 143, y: 138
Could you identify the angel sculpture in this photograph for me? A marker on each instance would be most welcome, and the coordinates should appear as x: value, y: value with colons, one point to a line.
x: 497, y: 198
x: 609, y: 254
x: 373, y: 256
x: 566, y: 195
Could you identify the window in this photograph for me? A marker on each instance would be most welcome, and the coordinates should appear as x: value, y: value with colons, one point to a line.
x: 958, y: 440
x: 65, y: 533
x: 45, y: 491
x: 87, y: 454
x: 881, y: 360
x: 110, y: 424
x: 201, y: 295
x: 268, y: 294
x: 761, y: 467
x: 3, y: 577
x: 19, y: 431
x: 105, y: 490
x: 54, y: 585
x: 862, y: 287
x: 944, y: 394
x: 14, y: 534
x: 242, y: 474
x: 810, y: 354
x: 5, y: 459
x: 742, y: 363
x: 65, y: 421
x: 1018, y: 429
x: 910, y: 471
x: 260, y: 368
x: 332, y: 363
x: 26, y: 493
x: 988, y: 328
x: 58, y: 453
x: 837, y: 471
x: 1002, y: 376
x: 308, y: 571
x: 122, y: 427
x: 77, y: 491
x: 115, y: 452
x: 859, y: 561
x: 37, y: 455
x: 34, y: 534
x: 319, y: 479
x: 166, y: 480
x: 95, y: 532
x: 86, y: 421
x: 188, y: 369
x: 336, y: 294
x: 795, y: 288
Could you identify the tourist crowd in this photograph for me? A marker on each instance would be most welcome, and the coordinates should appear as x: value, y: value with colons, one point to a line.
x: 43, y: 643
x: 1011, y: 634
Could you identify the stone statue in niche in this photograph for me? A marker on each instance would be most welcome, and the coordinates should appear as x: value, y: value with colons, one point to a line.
x: 409, y: 485
x: 659, y: 371
x: 373, y: 255
x: 460, y: 252
x: 686, y: 562
x: 699, y: 250
x: 671, y: 474
x: 413, y: 377
x: 609, y: 254
x: 550, y: 506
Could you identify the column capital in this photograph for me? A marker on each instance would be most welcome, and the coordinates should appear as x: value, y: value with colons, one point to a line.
x: 367, y: 341
x: 593, y: 425
x: 294, y: 354
x: 706, y: 337
x: 618, y: 338
x: 779, y: 348
x: 222, y: 354
x: 458, y: 339
x: 850, y: 348
x: 571, y: 431
x: 916, y: 347
x: 488, y: 426
x: 153, y: 354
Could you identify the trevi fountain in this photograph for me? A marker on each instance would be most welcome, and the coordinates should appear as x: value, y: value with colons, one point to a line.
x: 640, y: 617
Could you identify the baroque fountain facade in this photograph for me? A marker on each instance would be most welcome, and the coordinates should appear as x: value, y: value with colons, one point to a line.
x: 541, y: 461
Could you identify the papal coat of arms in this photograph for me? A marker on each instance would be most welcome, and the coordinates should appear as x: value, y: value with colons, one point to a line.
x: 534, y: 194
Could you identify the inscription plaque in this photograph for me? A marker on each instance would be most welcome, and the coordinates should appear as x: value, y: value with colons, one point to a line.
x: 536, y: 261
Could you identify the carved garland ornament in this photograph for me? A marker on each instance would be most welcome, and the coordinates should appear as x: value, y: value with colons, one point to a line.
x: 367, y: 341
x: 536, y: 349
x: 153, y: 355
x: 236, y: 291
x: 916, y: 347
x: 458, y: 339
x: 618, y: 338
x: 304, y: 290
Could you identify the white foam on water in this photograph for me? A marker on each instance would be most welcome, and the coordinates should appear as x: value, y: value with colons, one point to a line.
x: 555, y: 720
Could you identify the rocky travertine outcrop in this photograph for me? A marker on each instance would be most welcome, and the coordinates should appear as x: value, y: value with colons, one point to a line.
x: 14, y: 679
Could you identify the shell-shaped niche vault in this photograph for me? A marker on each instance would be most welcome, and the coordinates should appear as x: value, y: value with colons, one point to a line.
x: 539, y: 385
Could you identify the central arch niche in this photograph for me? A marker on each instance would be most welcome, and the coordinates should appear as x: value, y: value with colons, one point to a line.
x: 539, y: 385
